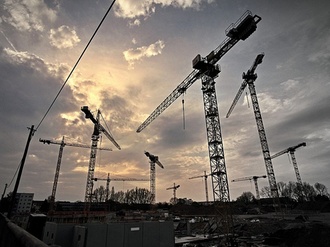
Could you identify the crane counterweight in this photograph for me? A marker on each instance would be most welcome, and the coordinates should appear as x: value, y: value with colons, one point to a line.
x: 244, y: 27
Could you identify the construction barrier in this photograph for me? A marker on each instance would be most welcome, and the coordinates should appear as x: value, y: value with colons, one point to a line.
x: 12, y: 235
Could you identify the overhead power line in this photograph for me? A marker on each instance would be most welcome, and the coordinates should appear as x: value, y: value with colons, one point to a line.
x: 74, y: 67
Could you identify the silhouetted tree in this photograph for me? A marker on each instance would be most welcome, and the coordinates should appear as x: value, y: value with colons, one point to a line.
x: 265, y: 192
x: 99, y: 194
x: 294, y: 191
x: 290, y: 191
x: 119, y: 197
x: 281, y: 186
x: 321, y: 189
x: 136, y: 196
x: 246, y: 197
x: 308, y: 192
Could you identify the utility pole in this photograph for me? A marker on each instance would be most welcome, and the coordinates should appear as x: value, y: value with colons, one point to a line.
x: 32, y: 130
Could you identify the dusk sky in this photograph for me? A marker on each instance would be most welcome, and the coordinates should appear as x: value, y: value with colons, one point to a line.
x: 142, y: 51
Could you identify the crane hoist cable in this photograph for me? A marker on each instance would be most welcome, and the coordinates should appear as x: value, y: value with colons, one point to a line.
x: 14, y: 175
x: 106, y: 125
x: 289, y: 157
x: 183, y: 91
x: 76, y: 64
x: 247, y: 99
x: 183, y: 115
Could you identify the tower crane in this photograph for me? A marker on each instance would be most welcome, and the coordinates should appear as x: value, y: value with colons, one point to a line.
x: 249, y: 77
x: 174, y: 188
x: 205, y: 181
x: 59, y: 160
x: 98, y: 128
x: 291, y: 150
x: 116, y: 179
x: 153, y: 160
x: 207, y: 70
x: 255, y: 180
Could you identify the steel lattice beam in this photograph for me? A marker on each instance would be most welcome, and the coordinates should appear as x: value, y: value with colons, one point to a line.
x: 214, y: 140
x: 263, y: 141
x: 153, y: 182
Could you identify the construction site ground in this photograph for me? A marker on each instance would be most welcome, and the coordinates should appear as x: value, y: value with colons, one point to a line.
x: 298, y: 229
x: 301, y: 230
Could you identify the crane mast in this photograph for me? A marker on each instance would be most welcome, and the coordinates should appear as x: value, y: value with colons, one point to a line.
x: 174, y: 188
x: 95, y: 138
x: 59, y: 161
x: 255, y: 180
x: 291, y: 150
x: 249, y: 79
x: 206, y: 70
x: 153, y: 159
x: 249, y: 74
x: 205, y: 184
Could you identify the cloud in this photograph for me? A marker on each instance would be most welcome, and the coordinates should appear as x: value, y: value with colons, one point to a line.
x: 322, y: 56
x: 28, y: 71
x: 289, y: 84
x: 27, y: 15
x: 63, y: 37
x: 9, y: 42
x: 322, y: 53
x: 133, y: 55
x: 135, y: 22
x: 144, y: 8
x: 31, y: 61
x: 268, y: 103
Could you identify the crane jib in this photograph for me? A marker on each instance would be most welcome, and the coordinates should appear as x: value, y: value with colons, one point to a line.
x: 240, y: 30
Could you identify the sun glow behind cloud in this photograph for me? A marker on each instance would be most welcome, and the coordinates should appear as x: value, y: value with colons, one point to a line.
x: 137, y: 54
x: 63, y: 37
x: 145, y: 8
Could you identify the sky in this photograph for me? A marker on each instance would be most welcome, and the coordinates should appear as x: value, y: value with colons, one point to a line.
x: 141, y: 52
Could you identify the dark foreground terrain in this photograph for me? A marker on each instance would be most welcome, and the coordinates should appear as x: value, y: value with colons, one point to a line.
x: 304, y: 225
x: 306, y: 230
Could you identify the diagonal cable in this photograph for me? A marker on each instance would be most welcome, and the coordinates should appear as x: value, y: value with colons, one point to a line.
x: 89, y: 42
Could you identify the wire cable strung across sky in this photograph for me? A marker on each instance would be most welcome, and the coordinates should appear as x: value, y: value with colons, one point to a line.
x: 76, y: 64
x: 89, y: 42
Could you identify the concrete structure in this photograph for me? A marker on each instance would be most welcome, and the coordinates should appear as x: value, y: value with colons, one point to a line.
x: 12, y: 235
x: 132, y: 234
